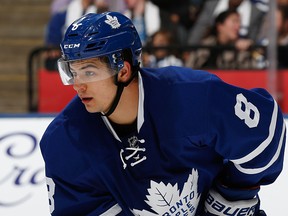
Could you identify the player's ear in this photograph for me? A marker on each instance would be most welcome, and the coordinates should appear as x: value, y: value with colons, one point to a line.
x: 125, y: 73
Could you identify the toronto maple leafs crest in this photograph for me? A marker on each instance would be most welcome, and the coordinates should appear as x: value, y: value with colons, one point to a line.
x: 112, y: 21
x: 167, y: 199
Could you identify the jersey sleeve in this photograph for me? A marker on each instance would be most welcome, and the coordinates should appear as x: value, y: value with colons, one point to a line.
x: 72, y: 187
x: 67, y: 199
x: 248, y: 130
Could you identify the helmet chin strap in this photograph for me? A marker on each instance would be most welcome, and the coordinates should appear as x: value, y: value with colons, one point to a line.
x: 120, y: 88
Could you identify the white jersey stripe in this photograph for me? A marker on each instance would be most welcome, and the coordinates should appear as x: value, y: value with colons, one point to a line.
x: 265, y: 143
x: 114, y: 210
x: 275, y: 157
x: 140, y: 117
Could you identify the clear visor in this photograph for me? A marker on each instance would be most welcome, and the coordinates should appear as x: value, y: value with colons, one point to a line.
x: 84, y: 71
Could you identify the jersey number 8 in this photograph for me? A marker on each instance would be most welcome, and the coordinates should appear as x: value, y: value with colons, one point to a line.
x: 51, y: 191
x: 246, y: 111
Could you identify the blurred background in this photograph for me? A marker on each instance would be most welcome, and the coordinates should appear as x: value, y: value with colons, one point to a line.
x: 243, y: 41
x: 22, y: 27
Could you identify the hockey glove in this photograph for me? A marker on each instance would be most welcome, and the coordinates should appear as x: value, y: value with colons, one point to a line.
x: 216, y: 205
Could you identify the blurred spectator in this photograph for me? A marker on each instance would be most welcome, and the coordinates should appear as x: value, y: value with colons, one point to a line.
x: 117, y: 5
x: 178, y: 16
x: 281, y: 25
x: 66, y: 14
x: 145, y: 16
x: 262, y: 5
x: 251, y: 18
x: 54, y: 32
x: 224, y: 35
x: 58, y: 6
x: 54, y: 28
x: 161, y: 57
x: 77, y: 8
x: 282, y: 2
x: 61, y: 18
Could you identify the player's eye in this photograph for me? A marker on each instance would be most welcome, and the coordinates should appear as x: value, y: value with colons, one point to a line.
x: 90, y: 73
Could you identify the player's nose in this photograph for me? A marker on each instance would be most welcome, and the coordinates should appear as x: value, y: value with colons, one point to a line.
x: 79, y: 87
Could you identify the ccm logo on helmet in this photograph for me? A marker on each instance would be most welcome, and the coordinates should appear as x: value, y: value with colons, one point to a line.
x: 70, y: 46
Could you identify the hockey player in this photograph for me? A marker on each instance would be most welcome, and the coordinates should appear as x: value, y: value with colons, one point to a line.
x: 169, y: 141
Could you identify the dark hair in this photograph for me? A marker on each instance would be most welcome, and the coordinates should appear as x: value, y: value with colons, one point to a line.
x: 284, y: 11
x: 126, y: 55
x: 167, y: 33
x: 220, y: 19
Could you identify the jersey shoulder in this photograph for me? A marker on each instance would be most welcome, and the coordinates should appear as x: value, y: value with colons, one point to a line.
x: 60, y: 143
x: 176, y: 74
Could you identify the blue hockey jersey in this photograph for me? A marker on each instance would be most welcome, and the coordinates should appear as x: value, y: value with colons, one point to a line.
x: 191, y: 128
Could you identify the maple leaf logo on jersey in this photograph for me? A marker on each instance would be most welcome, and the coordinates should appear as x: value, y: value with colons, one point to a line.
x: 167, y: 200
x: 112, y: 21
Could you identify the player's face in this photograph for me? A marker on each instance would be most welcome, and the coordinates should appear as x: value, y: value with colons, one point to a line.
x: 229, y: 29
x: 97, y: 96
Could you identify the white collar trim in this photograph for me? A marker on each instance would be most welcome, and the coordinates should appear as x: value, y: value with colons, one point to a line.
x: 140, y: 116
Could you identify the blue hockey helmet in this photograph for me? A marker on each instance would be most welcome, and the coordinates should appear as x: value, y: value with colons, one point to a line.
x: 97, y: 35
